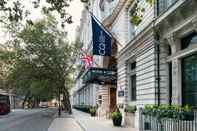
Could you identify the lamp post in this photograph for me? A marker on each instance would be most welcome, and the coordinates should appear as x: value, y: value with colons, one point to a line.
x: 59, y: 105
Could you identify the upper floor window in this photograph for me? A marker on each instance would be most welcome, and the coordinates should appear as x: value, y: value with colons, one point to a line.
x: 189, y: 40
x: 163, y: 5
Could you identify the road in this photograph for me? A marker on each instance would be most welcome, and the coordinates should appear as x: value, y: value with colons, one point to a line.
x: 27, y: 120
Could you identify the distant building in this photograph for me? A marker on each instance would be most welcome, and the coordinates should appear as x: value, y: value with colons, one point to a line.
x: 84, y: 93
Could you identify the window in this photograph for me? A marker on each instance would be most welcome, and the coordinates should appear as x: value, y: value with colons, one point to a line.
x: 100, y: 99
x: 189, y: 40
x: 133, y: 87
x: 133, y: 66
x: 132, y: 81
x: 163, y: 5
x: 189, y: 80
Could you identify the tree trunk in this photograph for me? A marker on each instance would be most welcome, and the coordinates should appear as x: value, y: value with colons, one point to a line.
x: 25, y: 100
x: 66, y: 102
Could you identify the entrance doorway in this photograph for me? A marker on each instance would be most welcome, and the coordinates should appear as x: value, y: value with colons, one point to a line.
x: 112, y: 99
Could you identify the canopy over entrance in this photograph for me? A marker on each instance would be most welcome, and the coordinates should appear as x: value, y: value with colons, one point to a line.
x: 102, y: 76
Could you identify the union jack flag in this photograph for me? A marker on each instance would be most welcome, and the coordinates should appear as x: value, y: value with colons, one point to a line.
x: 87, y: 60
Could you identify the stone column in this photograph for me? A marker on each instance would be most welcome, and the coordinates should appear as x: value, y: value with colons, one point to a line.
x: 176, y: 70
x: 176, y: 82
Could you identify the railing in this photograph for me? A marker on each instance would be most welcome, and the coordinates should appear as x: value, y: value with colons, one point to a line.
x: 150, y: 123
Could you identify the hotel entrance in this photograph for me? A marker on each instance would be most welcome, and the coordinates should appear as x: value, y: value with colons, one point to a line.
x: 112, y: 99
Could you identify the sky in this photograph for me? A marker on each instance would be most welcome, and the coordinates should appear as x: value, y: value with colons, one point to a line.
x: 75, y: 10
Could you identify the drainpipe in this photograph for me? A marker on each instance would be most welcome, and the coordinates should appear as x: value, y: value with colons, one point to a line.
x: 157, y: 45
x: 157, y: 49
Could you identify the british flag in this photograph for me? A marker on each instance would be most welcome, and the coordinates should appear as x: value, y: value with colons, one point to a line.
x: 87, y: 60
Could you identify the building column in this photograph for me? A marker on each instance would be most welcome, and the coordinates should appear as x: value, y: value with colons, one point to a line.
x: 176, y: 82
x: 174, y: 42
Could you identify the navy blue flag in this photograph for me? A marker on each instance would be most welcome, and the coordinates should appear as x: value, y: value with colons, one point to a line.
x: 101, y: 39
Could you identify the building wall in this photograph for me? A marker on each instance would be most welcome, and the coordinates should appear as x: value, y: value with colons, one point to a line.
x: 119, y: 28
x: 143, y: 50
x: 103, y: 109
x: 174, y: 25
x: 137, y: 43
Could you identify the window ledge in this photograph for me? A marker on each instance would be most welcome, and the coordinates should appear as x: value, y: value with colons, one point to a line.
x: 183, y: 53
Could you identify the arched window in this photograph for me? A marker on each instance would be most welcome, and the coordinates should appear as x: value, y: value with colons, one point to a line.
x: 189, y: 40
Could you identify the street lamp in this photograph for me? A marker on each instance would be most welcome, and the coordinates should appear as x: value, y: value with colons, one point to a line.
x: 59, y: 105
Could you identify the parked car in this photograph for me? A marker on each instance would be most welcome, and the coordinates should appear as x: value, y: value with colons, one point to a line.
x: 4, y: 104
x: 4, y: 108
x: 43, y: 104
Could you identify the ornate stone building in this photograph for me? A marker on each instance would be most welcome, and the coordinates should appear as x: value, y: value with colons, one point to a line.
x: 155, y: 57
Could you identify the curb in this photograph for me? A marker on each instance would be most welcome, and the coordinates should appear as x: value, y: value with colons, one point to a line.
x: 82, y: 127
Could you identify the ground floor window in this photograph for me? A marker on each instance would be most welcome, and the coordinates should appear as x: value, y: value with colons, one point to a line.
x: 131, y: 69
x: 189, y: 80
x: 133, y: 87
x: 100, y: 99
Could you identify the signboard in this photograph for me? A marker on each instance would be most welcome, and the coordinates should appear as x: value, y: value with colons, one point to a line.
x: 121, y: 93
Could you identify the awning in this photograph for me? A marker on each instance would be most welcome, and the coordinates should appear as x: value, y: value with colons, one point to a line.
x: 102, y: 76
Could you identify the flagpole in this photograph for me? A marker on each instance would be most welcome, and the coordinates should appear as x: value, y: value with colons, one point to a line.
x: 103, y: 26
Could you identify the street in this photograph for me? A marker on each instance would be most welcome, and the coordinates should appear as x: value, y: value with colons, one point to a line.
x: 27, y: 120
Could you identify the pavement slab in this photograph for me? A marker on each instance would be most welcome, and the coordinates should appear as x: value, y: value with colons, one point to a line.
x: 64, y: 124
x: 97, y: 124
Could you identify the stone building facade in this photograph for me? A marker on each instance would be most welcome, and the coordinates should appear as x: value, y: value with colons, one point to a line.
x: 155, y: 59
x: 177, y: 31
x: 84, y: 93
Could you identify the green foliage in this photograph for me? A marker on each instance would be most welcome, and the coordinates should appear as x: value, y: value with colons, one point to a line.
x: 43, y: 62
x: 136, y: 20
x: 167, y: 111
x: 93, y: 110
x: 150, y: 2
x: 16, y: 10
x: 137, y: 12
x: 83, y: 107
x: 116, y: 115
x: 130, y: 109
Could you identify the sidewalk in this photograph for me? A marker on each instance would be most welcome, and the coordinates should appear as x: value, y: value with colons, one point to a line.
x: 96, y: 124
x: 65, y: 123
x: 80, y: 121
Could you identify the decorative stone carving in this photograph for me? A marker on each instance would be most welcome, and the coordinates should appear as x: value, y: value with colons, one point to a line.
x: 194, y: 23
x: 172, y: 42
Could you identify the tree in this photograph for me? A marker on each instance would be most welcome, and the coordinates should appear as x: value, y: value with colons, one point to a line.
x: 44, y: 62
x: 14, y: 10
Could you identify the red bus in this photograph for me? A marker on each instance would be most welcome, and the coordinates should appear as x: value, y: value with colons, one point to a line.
x: 4, y: 104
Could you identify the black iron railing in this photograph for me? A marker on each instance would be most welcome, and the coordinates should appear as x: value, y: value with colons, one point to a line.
x: 152, y: 123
